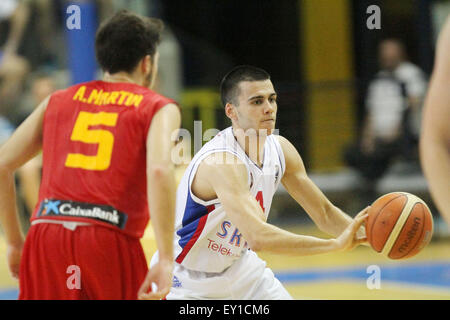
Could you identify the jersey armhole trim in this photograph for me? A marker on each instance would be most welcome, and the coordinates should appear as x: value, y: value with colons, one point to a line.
x: 280, y: 155
x: 194, y: 169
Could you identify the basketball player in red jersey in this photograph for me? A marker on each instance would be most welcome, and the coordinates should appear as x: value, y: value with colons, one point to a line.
x: 435, y: 136
x: 106, y: 164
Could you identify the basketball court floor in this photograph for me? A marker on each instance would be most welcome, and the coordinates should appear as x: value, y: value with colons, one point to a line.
x: 358, y: 274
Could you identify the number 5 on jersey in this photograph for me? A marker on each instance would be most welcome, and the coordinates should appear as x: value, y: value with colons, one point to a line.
x: 104, y: 138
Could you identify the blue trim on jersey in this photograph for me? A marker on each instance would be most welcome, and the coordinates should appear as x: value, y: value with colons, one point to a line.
x: 192, y: 214
x: 194, y: 211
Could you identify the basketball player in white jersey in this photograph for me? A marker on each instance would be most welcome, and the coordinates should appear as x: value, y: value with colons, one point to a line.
x: 435, y: 136
x: 225, y: 195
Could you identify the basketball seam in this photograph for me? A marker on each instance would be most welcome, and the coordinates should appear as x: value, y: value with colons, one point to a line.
x: 387, y: 250
x: 378, y: 213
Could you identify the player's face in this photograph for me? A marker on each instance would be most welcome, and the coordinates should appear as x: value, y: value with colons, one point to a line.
x: 257, y: 107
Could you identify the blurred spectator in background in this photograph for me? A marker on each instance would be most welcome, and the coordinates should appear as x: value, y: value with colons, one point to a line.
x: 393, y: 106
x: 14, y: 15
x: 6, y: 129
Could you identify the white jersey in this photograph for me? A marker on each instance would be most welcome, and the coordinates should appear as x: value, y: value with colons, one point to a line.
x: 205, y: 239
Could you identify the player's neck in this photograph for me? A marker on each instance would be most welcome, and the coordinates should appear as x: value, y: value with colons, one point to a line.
x: 252, y: 144
x: 121, y: 77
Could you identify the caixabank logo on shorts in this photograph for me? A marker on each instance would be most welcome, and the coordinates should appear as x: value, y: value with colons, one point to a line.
x: 65, y: 208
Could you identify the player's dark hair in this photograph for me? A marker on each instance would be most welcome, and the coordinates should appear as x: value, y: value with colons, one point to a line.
x: 229, y: 87
x: 124, y: 39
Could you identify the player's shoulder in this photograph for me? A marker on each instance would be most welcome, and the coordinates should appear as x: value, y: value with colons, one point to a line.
x: 67, y: 91
x: 222, y: 140
x: 221, y: 151
x: 284, y: 142
x: 291, y: 155
x: 222, y: 159
x: 75, y: 92
x: 151, y: 97
x: 222, y: 167
x: 60, y: 97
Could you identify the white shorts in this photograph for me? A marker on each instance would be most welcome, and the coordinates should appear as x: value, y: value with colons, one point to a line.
x: 247, y: 279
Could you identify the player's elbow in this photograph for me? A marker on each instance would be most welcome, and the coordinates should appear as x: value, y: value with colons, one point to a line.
x: 5, y: 168
x: 267, y: 242
x: 256, y: 245
x: 257, y: 240
x: 160, y: 170
x: 160, y: 176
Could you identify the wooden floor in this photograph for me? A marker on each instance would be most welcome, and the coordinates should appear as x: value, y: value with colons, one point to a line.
x: 340, y: 276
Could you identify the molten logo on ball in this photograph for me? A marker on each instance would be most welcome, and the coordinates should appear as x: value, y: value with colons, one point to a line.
x: 410, y: 235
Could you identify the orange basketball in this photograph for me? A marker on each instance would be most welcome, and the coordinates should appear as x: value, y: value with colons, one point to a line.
x: 399, y: 225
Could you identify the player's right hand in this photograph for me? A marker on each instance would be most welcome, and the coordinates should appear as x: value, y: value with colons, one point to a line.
x: 348, y: 238
x: 14, y: 253
x: 160, y: 275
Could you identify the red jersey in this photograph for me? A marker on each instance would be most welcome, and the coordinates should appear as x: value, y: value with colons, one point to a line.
x: 94, y: 155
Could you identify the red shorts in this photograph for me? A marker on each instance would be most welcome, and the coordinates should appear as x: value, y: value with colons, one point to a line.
x: 90, y: 262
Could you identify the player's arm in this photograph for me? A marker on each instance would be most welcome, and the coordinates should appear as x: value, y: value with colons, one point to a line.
x: 23, y: 145
x: 435, y: 136
x: 161, y: 189
x: 325, y: 215
x: 229, y: 182
x: 30, y: 178
x: 160, y: 177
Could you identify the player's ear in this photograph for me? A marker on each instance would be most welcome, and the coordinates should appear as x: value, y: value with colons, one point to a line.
x: 146, y: 64
x: 230, y: 111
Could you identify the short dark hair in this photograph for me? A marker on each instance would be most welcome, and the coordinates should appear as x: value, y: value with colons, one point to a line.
x: 124, y: 39
x: 229, y: 87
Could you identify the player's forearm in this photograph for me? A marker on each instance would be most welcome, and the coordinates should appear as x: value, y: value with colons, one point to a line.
x: 8, y: 211
x: 262, y: 236
x: 29, y: 175
x: 161, y: 199
x: 275, y: 240
x: 335, y: 221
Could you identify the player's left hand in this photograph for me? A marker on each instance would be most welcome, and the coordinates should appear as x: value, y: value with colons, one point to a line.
x: 14, y: 253
x: 349, y: 239
x: 160, y: 275
x: 360, y: 236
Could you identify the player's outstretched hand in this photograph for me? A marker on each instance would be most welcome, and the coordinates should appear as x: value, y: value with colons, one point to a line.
x: 13, y: 253
x: 348, y: 238
x: 160, y: 275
